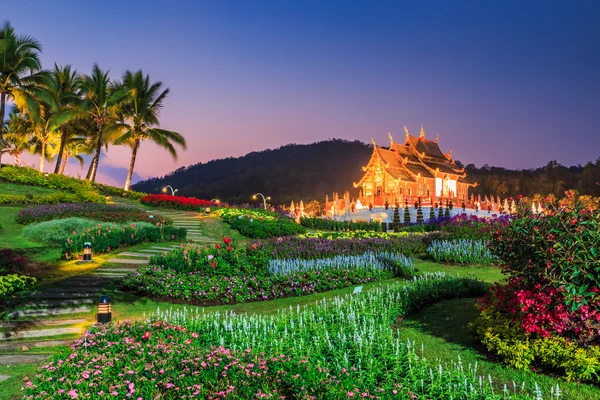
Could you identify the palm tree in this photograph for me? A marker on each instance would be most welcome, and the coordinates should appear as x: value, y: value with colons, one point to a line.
x: 74, y: 149
x: 20, y: 71
x: 18, y: 135
x: 99, y: 101
x: 139, y: 118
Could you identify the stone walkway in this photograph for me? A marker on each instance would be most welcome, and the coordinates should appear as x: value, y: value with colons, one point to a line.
x: 63, y: 308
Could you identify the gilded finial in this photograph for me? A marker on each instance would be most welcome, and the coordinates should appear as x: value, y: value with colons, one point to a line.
x: 391, y: 139
x: 437, y: 137
x: 406, y: 130
x: 373, y: 140
x: 422, y: 132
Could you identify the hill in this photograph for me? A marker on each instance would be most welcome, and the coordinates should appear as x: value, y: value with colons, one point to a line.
x: 309, y: 172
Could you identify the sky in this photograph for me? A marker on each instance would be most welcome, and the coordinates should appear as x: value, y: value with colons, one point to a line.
x: 505, y: 83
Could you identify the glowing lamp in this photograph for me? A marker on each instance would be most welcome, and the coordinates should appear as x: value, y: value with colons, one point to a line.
x: 46, y: 174
x: 87, y: 251
x: 207, y: 210
x: 104, y: 312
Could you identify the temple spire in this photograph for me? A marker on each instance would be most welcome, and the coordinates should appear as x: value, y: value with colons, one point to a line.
x: 391, y: 140
x: 436, y: 138
x: 422, y: 136
x: 373, y: 140
x: 406, y: 130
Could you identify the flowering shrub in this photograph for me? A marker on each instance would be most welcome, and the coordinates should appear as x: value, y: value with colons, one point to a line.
x: 462, y: 251
x: 105, y: 237
x: 358, y: 234
x: 11, y: 260
x: 178, y: 202
x: 465, y: 226
x: 10, y: 284
x: 332, y: 225
x: 342, y: 348
x: 260, y: 224
x: 55, y: 232
x: 117, y: 191
x: 99, y: 212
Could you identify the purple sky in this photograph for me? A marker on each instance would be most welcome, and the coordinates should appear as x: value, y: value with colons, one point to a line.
x: 507, y: 83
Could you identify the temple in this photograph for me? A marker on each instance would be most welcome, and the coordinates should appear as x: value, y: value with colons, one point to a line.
x: 415, y: 171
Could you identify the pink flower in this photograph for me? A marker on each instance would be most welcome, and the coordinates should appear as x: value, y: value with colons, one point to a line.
x: 350, y: 394
x: 73, y: 394
x: 147, y: 335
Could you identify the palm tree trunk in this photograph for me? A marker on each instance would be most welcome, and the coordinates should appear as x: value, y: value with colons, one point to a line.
x: 17, y: 158
x: 2, y: 109
x: 91, y: 175
x: 42, y: 156
x: 63, y: 142
x: 63, y: 164
x: 132, y: 164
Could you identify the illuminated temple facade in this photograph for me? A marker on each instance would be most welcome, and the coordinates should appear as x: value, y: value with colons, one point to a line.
x: 416, y: 170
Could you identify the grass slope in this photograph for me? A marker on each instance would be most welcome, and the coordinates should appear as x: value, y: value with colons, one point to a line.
x: 12, y: 188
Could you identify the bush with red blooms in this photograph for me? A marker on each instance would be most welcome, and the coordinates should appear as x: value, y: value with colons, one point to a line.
x: 178, y: 202
x: 463, y: 226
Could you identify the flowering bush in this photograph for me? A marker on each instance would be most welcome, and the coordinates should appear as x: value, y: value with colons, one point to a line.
x: 10, y: 284
x: 11, y: 260
x: 99, y: 212
x: 56, y: 232
x: 105, y: 237
x: 178, y: 202
x: 461, y: 251
x: 465, y: 226
x: 344, y: 226
x: 260, y: 224
x: 117, y: 191
x: 358, y: 234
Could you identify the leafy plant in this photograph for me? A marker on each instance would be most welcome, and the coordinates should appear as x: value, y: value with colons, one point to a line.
x: 10, y: 284
x: 344, y: 226
x: 463, y: 251
x: 55, y: 232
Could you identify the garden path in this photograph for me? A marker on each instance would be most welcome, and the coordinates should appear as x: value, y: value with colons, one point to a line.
x: 47, y: 315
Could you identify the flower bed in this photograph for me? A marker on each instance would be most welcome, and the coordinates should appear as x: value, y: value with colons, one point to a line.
x: 55, y: 232
x: 10, y: 284
x: 332, y: 225
x: 107, y: 236
x: 462, y: 251
x: 341, y: 348
x: 99, y: 212
x: 260, y: 224
x: 177, y: 202
x: 358, y: 234
x: 465, y: 226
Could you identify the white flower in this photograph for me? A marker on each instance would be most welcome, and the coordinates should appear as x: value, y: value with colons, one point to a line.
x: 210, y: 257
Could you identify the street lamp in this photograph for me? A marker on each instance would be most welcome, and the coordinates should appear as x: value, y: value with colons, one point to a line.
x: 173, y: 191
x: 216, y: 201
x: 264, y: 199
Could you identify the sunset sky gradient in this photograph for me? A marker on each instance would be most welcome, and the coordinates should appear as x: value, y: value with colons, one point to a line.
x: 507, y: 83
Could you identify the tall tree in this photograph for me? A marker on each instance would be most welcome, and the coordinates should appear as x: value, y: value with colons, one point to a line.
x: 139, y: 118
x: 17, y: 135
x: 20, y: 71
x: 100, y: 99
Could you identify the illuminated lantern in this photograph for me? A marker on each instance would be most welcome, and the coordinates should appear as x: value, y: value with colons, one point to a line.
x: 207, y: 210
x: 87, y: 251
x: 104, y: 311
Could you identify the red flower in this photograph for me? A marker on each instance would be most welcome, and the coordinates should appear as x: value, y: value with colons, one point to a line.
x: 227, y: 240
x: 147, y: 335
x: 229, y: 248
x: 213, y: 264
x: 217, y: 246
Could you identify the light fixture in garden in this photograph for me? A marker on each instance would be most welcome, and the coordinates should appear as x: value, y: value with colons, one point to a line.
x: 87, y: 251
x: 173, y: 191
x: 216, y: 201
x: 104, y: 311
x: 263, y: 198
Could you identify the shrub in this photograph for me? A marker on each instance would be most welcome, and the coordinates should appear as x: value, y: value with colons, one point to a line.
x: 107, y: 190
x: 177, y: 202
x: 260, y: 224
x: 332, y: 225
x: 10, y: 284
x: 71, y: 189
x: 105, y: 237
x: 99, y: 212
x: 355, y: 235
x: 465, y: 226
x: 463, y: 251
x: 56, y: 232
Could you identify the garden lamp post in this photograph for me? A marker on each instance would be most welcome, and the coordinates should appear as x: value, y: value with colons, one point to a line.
x: 216, y: 201
x: 104, y: 312
x: 173, y: 191
x: 264, y: 199
x: 87, y: 251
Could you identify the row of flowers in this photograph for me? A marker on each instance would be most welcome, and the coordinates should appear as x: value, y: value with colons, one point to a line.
x: 260, y: 224
x: 177, y: 202
x: 460, y: 251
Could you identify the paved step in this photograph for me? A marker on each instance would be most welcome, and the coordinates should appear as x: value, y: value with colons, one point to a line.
x: 44, y: 312
x: 38, y: 333
x: 164, y: 248
x: 4, y: 377
x: 134, y: 254
x: 15, y: 359
x: 109, y: 269
x: 127, y: 261
x: 74, y: 289
x: 57, y: 303
x: 34, y: 345
x: 152, y: 251
x: 72, y: 295
x: 21, y: 324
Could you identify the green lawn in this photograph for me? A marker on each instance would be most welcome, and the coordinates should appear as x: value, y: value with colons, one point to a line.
x: 12, y: 188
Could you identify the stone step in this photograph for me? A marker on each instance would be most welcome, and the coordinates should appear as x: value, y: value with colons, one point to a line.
x: 16, y: 359
x: 39, y: 333
x: 113, y: 270
x: 52, y: 322
x: 73, y: 295
x: 152, y: 251
x: 35, y: 345
x: 134, y: 254
x: 164, y: 248
x: 127, y: 261
x: 74, y: 289
x: 4, y: 377
x: 57, y: 303
x: 44, y: 312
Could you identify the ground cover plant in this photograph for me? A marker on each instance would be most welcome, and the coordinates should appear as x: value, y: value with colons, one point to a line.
x: 106, y: 236
x: 333, y: 225
x: 99, y: 212
x: 357, y: 234
x: 221, y: 274
x: 107, y: 190
x: 548, y: 314
x: 12, y: 283
x: 176, y: 202
x: 55, y: 232
x: 260, y: 224
x: 460, y: 251
x: 341, y: 348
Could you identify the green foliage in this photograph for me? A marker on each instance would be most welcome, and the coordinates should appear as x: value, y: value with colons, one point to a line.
x: 10, y: 284
x: 419, y: 215
x: 56, y: 232
x: 358, y: 234
x: 260, y: 224
x: 333, y: 225
x: 71, y: 189
x: 107, y: 236
x: 396, y: 219
x: 107, y: 190
x: 515, y: 347
x: 561, y: 248
x: 406, y: 216
x: 462, y: 251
